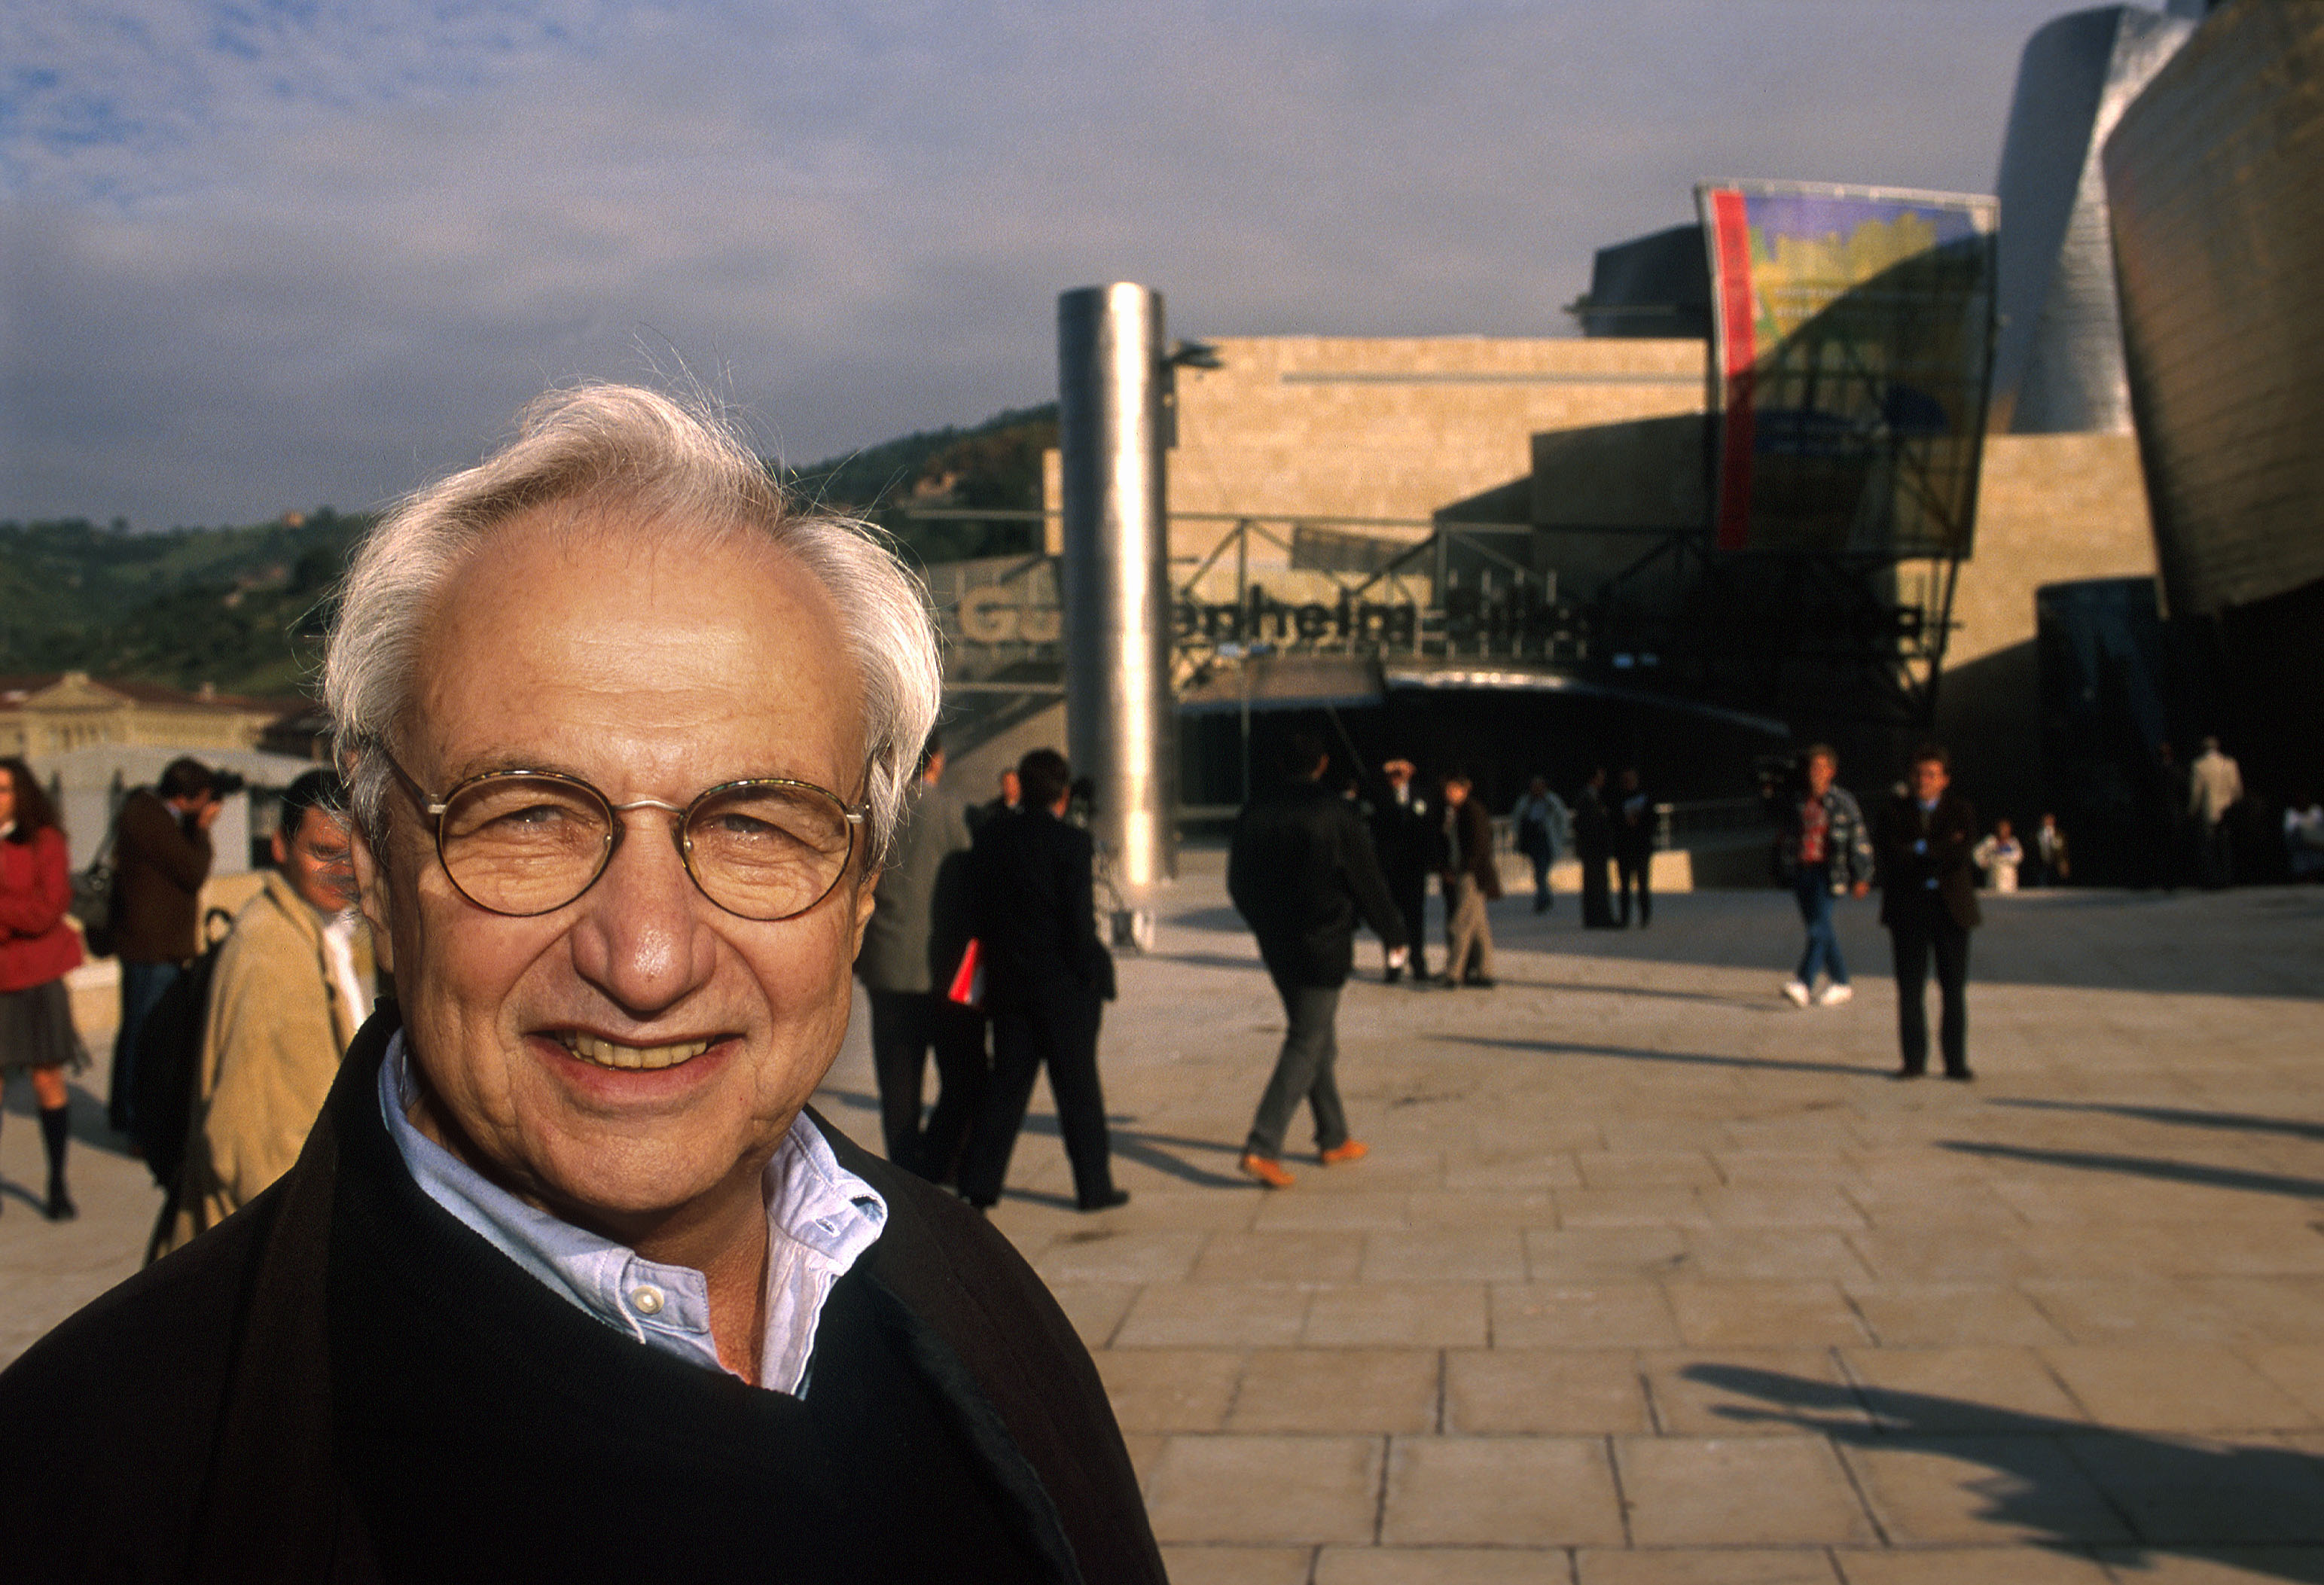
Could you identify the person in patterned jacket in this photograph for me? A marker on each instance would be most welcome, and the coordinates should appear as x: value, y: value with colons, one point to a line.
x: 1825, y: 849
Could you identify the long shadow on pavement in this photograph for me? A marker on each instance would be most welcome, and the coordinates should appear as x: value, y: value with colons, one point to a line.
x: 2148, y: 1167
x: 2069, y: 1484
x: 1141, y: 1145
x: 2239, y: 1121
x: 1640, y: 1054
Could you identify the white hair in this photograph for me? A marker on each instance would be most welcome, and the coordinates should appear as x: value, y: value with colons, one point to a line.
x: 648, y: 456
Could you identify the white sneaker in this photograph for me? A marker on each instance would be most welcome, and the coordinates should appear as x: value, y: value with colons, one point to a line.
x: 1833, y: 995
x: 1797, y: 992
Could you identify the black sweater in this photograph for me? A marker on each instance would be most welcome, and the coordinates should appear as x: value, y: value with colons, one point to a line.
x: 343, y: 1382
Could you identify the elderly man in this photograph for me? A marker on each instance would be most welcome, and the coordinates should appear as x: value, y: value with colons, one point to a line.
x: 292, y: 985
x: 568, y: 1283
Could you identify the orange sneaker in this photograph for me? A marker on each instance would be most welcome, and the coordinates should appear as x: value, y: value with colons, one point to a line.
x: 1353, y: 1150
x: 1266, y: 1170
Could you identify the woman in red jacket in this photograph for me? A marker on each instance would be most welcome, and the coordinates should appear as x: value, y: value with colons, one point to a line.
x: 37, y: 948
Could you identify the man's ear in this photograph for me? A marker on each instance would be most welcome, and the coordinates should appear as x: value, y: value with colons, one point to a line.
x: 866, y: 891
x: 371, y: 896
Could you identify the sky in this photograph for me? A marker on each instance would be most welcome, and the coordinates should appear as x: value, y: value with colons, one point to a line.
x: 271, y: 255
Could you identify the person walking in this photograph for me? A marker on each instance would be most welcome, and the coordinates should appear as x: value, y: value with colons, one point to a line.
x: 161, y: 856
x: 911, y: 948
x: 1047, y: 979
x: 1300, y: 870
x: 1471, y: 878
x: 37, y: 950
x: 1407, y: 838
x: 1825, y: 851
x: 2215, y: 786
x: 1928, y: 901
x: 1593, y: 844
x: 1543, y: 827
x: 1634, y: 850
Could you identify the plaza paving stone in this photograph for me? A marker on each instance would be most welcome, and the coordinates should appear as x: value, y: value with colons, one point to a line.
x: 1654, y: 1279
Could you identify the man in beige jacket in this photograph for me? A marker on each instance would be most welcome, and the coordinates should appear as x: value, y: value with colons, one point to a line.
x: 293, y: 982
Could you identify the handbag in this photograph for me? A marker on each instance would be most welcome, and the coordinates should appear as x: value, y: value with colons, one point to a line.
x: 91, y: 907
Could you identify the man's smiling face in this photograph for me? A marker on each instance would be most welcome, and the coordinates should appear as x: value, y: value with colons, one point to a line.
x: 610, y: 653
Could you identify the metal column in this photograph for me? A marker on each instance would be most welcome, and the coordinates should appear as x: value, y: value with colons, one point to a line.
x: 1112, y: 428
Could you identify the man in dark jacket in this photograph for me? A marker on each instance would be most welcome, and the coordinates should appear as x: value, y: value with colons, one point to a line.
x: 911, y: 950
x: 161, y: 857
x: 1928, y: 901
x: 1047, y: 979
x: 1593, y: 845
x: 1300, y: 870
x: 569, y: 1282
x: 1634, y: 849
x: 1409, y: 842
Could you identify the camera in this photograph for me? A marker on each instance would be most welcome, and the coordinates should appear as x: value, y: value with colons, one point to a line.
x: 225, y: 784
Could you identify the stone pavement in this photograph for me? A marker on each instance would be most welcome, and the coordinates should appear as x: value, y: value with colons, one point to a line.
x: 1653, y: 1277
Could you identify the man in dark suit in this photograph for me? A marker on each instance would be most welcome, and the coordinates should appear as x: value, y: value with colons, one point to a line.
x: 1408, y: 842
x: 1047, y: 977
x: 1634, y: 850
x: 1928, y: 900
x: 1300, y: 870
x: 1593, y: 844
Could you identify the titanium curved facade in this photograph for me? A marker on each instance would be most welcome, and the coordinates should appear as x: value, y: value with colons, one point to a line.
x: 2213, y: 177
x: 2058, y: 357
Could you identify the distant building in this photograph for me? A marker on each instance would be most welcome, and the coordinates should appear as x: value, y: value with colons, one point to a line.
x: 53, y: 712
x: 2212, y: 178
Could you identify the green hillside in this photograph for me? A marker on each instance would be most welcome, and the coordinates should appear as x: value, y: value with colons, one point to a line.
x: 245, y: 608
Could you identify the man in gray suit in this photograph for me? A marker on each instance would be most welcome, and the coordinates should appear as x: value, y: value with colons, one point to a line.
x: 911, y: 948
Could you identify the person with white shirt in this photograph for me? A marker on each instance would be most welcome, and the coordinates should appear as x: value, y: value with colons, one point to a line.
x: 1998, y: 857
x: 293, y: 984
x: 568, y: 1279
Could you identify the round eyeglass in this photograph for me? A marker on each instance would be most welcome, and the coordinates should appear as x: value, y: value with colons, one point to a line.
x: 525, y: 843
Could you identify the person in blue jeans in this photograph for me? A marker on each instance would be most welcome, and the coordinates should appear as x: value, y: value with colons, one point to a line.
x: 1825, y: 849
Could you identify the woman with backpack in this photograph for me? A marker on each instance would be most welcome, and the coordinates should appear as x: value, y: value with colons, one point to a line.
x: 37, y: 950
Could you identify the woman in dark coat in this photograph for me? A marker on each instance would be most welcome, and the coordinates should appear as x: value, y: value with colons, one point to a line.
x: 37, y: 949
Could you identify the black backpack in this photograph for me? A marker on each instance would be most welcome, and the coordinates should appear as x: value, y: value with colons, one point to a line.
x: 169, y: 1060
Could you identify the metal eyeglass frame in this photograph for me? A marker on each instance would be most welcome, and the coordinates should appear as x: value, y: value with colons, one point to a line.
x: 436, y: 807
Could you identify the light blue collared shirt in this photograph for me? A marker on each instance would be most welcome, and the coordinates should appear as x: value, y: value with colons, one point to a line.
x: 820, y: 1218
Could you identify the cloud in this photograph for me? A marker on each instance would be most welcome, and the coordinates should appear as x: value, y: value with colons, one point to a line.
x: 269, y: 255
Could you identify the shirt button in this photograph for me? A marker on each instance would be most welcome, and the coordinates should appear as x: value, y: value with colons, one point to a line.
x: 646, y: 1301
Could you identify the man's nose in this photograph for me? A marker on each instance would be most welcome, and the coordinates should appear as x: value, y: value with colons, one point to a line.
x: 642, y: 938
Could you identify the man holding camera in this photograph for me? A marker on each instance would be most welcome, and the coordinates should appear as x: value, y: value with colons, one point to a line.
x: 161, y: 856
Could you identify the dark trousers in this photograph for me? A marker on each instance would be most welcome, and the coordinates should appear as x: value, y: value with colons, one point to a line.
x: 142, y: 986
x: 1920, y: 931
x: 1597, y: 904
x: 1812, y: 888
x: 1056, y: 1028
x: 1633, y: 870
x: 1541, y: 859
x: 905, y: 1024
x: 1303, y: 1072
x: 1410, y: 893
x: 2214, y: 855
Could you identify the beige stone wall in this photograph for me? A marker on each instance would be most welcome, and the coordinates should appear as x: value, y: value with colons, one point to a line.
x: 1396, y: 427
x: 2050, y: 508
